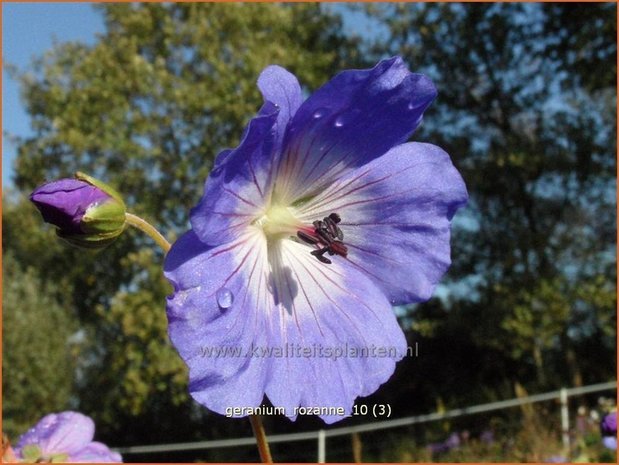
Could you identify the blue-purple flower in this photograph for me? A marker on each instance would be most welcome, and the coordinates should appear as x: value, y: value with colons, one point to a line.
x: 308, y: 232
x: 86, y: 212
x: 610, y: 442
x: 608, y: 427
x: 63, y: 437
x: 451, y: 443
x: 487, y: 436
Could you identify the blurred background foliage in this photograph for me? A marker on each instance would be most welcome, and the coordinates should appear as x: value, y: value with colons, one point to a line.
x: 526, y: 108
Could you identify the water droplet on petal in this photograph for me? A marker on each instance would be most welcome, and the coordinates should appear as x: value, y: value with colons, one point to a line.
x: 319, y: 113
x: 224, y: 297
x: 414, y: 105
x: 348, y: 117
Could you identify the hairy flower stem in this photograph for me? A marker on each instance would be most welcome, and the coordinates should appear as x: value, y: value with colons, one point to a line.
x: 261, y: 438
x: 149, y: 229
x: 256, y: 421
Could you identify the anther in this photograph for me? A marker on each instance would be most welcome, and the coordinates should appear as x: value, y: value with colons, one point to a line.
x: 307, y: 238
x: 327, y: 235
x: 338, y: 248
x: 335, y: 217
x: 319, y: 254
x: 331, y: 227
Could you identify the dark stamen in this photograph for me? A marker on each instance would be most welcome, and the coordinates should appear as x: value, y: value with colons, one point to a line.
x: 307, y: 238
x: 327, y: 235
x: 319, y: 254
x: 339, y: 249
x: 331, y: 227
x: 335, y: 217
x: 324, y: 235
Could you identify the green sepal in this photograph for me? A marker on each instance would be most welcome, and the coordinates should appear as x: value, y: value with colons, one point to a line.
x: 31, y: 453
x: 59, y: 458
x: 105, y: 217
x: 90, y: 241
x: 101, y: 185
x: 102, y: 222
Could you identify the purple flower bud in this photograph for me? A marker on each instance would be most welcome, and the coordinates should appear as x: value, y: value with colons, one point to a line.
x: 63, y: 203
x: 87, y: 212
x: 609, y: 424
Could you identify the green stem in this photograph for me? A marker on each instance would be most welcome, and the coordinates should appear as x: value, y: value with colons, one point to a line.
x: 149, y: 229
x: 261, y: 439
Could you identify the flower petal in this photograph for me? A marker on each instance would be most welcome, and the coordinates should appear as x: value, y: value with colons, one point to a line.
x: 238, y: 188
x: 609, y: 424
x: 327, y: 315
x: 237, y: 354
x: 59, y: 433
x: 216, y: 313
x: 610, y: 442
x: 396, y: 214
x: 281, y: 88
x: 64, y: 202
x: 95, y: 452
x: 354, y: 118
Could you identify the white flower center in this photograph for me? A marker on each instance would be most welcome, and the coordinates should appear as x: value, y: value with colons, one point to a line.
x: 278, y: 222
x: 324, y: 236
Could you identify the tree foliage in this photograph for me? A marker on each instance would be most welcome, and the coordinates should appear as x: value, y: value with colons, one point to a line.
x: 38, y: 346
x: 147, y: 107
x: 162, y: 92
x: 532, y: 127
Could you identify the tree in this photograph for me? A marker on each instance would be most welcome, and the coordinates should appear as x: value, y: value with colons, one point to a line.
x: 147, y: 107
x: 532, y: 128
x: 39, y: 348
x: 163, y: 91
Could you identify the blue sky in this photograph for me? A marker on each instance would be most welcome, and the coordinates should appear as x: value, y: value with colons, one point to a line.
x: 28, y: 29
